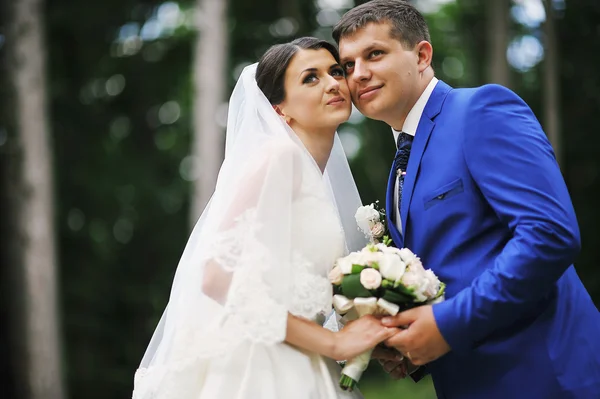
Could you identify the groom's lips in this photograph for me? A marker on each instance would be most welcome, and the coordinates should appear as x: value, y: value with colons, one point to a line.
x: 368, y: 92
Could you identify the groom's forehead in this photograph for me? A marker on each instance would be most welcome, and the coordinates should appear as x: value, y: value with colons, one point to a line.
x: 365, y: 38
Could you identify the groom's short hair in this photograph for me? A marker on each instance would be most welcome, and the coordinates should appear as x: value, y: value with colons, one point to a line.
x: 407, y: 24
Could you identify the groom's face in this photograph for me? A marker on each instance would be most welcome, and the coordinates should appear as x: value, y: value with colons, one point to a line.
x: 382, y: 75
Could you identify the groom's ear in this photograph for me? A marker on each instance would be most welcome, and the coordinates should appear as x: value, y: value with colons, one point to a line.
x: 425, y: 54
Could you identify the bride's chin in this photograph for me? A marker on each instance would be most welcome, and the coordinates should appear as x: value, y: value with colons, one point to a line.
x: 342, y: 117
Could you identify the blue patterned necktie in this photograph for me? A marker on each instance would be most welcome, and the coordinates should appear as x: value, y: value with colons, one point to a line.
x: 401, y: 161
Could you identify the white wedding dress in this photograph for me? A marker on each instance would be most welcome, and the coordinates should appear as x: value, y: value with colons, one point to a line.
x: 268, y: 370
x: 262, y: 248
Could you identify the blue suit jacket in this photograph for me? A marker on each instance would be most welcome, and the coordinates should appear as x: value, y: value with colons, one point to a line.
x: 486, y: 208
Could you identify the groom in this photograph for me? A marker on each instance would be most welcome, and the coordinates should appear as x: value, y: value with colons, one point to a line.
x: 475, y: 190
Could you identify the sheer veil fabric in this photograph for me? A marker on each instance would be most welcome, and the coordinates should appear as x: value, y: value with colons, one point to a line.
x: 257, y: 252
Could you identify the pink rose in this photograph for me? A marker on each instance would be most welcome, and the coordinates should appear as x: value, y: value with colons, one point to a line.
x: 377, y: 230
x: 336, y: 276
x: 410, y: 279
x: 370, y: 279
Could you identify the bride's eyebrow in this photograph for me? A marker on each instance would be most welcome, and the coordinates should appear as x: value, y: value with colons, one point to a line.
x: 309, y: 70
x: 336, y: 65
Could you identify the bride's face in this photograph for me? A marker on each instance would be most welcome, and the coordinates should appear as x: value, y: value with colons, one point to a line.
x: 316, y: 92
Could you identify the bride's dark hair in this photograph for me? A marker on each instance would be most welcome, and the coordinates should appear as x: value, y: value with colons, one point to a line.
x: 270, y: 72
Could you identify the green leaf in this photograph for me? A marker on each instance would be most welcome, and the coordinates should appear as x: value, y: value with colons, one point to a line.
x: 441, y: 291
x: 387, y: 284
x: 387, y: 241
x: 352, y: 287
x: 337, y: 290
x: 399, y: 287
x: 396, y: 297
x: 356, y: 269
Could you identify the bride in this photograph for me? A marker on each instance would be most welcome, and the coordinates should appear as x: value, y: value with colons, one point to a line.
x: 251, y: 289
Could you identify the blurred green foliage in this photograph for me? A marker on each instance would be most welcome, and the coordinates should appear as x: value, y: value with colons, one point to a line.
x: 121, y: 122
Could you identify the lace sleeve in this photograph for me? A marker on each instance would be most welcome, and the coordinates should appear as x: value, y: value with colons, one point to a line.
x: 251, y: 307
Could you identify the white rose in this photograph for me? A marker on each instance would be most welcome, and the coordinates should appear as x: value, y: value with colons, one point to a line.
x: 368, y: 248
x: 377, y: 230
x: 366, y: 216
x: 433, y: 284
x: 336, y: 276
x: 364, y: 258
x: 388, y: 250
x: 407, y: 255
x: 345, y: 264
x: 416, y: 266
x: 391, y: 267
x: 370, y: 279
x: 368, y: 213
x: 372, y: 257
x: 417, y: 282
x: 411, y: 279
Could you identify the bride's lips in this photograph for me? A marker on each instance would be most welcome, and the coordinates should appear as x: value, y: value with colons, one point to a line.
x: 336, y: 100
x: 368, y: 92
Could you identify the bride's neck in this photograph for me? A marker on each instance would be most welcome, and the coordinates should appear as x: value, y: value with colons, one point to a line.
x: 318, y: 143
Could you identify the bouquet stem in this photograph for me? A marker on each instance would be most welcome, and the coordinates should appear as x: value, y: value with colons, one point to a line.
x: 347, y: 383
x: 353, y: 370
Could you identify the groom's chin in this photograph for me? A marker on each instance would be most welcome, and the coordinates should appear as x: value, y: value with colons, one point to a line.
x: 371, y: 111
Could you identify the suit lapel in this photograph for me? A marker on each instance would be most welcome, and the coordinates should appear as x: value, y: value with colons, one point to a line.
x: 426, y: 125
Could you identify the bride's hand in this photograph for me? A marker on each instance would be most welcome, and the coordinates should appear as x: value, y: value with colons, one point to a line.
x: 360, y: 335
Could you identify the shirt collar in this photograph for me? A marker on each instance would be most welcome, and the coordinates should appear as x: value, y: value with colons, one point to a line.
x: 414, y: 116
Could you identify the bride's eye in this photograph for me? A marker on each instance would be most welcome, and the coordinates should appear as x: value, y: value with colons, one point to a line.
x: 310, y: 78
x: 338, y: 71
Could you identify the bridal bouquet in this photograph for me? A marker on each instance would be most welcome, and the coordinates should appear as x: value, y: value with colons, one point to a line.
x: 378, y: 280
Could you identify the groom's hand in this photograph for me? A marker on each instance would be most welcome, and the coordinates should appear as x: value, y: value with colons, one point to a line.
x: 421, y: 341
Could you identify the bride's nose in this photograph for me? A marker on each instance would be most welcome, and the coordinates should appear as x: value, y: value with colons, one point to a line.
x: 333, y: 85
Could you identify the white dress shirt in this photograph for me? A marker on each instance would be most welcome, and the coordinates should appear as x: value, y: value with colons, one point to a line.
x: 410, y: 126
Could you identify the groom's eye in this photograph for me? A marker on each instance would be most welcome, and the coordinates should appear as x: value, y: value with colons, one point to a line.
x: 348, y: 66
x: 375, y: 53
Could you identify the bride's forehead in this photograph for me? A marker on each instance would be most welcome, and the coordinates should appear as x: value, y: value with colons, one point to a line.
x: 318, y: 59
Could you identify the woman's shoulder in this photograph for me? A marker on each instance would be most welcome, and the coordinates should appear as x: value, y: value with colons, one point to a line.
x: 278, y: 153
x: 281, y: 146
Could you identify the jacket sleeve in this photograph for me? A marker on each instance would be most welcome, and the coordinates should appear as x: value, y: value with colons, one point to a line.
x: 513, y: 164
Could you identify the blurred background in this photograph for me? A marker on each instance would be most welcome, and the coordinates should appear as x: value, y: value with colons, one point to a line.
x: 112, y: 124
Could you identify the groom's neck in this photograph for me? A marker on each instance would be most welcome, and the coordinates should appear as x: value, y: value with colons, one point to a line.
x: 396, y: 121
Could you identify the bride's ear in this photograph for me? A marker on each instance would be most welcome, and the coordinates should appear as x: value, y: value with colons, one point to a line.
x: 281, y: 114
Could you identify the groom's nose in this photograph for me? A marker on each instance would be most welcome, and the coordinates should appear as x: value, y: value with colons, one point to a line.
x: 361, y: 71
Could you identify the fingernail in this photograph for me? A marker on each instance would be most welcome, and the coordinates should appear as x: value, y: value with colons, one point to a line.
x: 386, y: 320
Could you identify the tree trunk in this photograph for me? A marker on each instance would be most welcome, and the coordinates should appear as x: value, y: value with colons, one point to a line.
x: 34, y: 322
x: 210, y: 77
x: 497, y: 39
x: 551, y: 85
